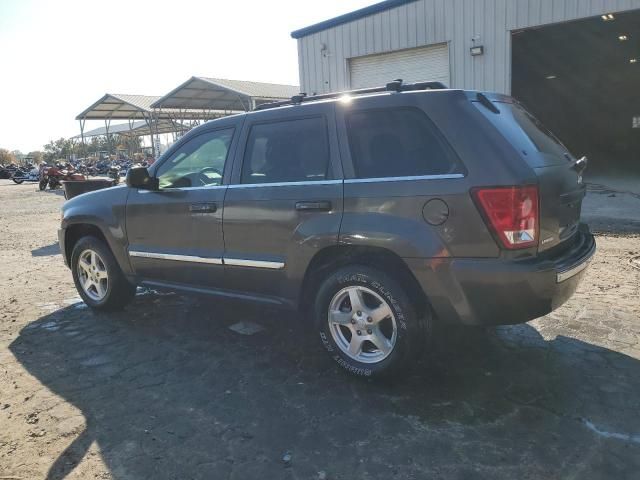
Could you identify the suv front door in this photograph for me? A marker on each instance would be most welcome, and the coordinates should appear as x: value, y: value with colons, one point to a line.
x: 284, y: 203
x: 175, y: 233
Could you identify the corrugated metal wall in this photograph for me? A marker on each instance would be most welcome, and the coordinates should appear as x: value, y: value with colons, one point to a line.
x: 323, y: 56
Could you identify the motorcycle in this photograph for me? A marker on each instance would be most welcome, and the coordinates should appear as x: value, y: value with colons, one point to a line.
x: 56, y: 174
x: 28, y: 173
x: 6, y: 172
x: 114, y: 173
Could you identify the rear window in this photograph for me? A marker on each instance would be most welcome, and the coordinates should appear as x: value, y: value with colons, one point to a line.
x: 398, y: 142
x: 526, y: 133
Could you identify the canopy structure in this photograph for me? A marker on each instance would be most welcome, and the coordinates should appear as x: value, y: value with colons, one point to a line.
x: 211, y: 94
x: 138, y: 107
x: 137, y: 129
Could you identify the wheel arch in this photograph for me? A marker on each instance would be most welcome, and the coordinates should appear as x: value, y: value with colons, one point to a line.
x: 75, y: 232
x: 332, y: 258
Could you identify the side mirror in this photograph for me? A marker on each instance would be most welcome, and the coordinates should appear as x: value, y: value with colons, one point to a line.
x: 138, y: 177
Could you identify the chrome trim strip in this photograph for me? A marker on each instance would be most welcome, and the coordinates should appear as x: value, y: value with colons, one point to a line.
x: 567, y: 274
x: 241, y: 262
x: 183, y: 189
x: 236, y: 262
x: 177, y: 258
x: 405, y: 179
x: 282, y: 184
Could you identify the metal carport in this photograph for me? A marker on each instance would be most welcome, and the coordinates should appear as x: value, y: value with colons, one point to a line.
x: 138, y: 107
x: 207, y: 94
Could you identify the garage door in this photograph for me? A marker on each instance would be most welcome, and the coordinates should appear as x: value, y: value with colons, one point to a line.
x: 413, y: 65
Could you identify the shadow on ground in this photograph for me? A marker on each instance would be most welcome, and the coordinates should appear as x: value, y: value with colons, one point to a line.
x: 168, y: 391
x: 46, y: 251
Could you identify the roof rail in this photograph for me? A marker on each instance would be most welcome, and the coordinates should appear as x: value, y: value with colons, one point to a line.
x: 394, y: 86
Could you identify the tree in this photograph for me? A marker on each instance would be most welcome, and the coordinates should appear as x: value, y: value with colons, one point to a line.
x: 58, y: 149
x: 36, y: 156
x: 6, y: 157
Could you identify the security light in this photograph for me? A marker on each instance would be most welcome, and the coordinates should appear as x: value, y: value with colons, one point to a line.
x: 477, y: 50
x: 551, y: 77
x: 633, y: 60
x: 608, y: 17
x: 623, y: 38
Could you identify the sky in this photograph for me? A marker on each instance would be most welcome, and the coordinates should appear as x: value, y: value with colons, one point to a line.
x: 57, y: 57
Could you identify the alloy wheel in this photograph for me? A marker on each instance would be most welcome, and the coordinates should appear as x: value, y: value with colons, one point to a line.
x: 362, y: 324
x: 93, y: 275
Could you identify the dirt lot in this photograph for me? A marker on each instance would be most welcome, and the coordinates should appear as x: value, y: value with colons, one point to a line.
x: 166, y: 390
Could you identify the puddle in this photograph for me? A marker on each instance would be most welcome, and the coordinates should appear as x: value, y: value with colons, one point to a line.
x: 246, y: 328
x: 95, y: 361
x: 48, y: 306
x: 50, y: 326
x: 72, y: 301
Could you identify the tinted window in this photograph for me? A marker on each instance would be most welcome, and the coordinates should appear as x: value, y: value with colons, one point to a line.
x: 291, y: 151
x: 398, y: 142
x: 543, y: 140
x: 198, y: 163
x: 526, y: 133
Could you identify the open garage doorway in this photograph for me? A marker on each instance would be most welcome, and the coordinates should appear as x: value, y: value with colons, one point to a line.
x: 582, y: 79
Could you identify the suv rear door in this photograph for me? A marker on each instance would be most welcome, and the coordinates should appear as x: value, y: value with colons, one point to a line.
x: 559, y: 176
x: 285, y: 200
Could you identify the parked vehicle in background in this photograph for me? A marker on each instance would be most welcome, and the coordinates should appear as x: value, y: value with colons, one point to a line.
x: 114, y: 173
x: 374, y: 213
x: 6, y: 171
x: 54, y: 175
x: 27, y: 173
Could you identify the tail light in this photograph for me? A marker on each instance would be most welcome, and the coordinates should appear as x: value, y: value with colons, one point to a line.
x: 512, y: 213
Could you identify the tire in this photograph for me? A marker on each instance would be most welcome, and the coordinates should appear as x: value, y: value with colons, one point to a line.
x: 43, y: 184
x: 17, y: 180
x: 402, y: 348
x: 110, y: 294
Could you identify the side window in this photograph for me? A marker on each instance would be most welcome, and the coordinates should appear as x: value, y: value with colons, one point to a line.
x: 288, y: 151
x: 197, y: 163
x: 398, y: 142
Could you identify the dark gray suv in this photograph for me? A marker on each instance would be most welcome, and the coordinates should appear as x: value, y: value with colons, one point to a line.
x: 377, y: 212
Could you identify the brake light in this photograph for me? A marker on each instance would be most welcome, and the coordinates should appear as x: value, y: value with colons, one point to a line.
x: 512, y: 213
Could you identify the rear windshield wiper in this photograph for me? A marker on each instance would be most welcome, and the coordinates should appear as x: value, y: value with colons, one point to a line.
x: 482, y: 98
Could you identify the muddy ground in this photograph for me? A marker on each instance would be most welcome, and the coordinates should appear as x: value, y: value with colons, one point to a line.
x: 166, y: 390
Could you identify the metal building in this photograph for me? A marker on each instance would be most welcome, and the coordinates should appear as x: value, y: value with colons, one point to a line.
x: 547, y: 53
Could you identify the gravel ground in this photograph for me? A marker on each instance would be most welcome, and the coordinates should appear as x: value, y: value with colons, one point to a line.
x: 166, y: 390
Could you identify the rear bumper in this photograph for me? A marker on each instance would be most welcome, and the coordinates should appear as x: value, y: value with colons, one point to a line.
x: 495, y: 291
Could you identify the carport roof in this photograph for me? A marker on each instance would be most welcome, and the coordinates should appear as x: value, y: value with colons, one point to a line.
x: 137, y: 129
x: 119, y: 106
x: 204, y: 93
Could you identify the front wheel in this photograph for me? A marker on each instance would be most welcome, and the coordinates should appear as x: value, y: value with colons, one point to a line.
x: 43, y: 183
x: 367, y: 322
x: 98, y: 277
x: 17, y: 180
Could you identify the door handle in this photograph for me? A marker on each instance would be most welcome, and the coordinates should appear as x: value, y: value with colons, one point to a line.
x: 203, y: 208
x: 322, y: 205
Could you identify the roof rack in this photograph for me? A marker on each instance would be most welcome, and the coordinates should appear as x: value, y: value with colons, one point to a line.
x: 394, y: 86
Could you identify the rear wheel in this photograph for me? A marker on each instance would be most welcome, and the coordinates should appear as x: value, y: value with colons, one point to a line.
x: 43, y: 183
x: 97, y: 276
x: 367, y: 323
x: 18, y: 180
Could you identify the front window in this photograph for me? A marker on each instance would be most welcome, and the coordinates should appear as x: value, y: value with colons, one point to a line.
x: 198, y: 163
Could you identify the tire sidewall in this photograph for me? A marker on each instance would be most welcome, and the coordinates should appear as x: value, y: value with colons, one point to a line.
x: 406, y: 321
x: 109, y: 262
